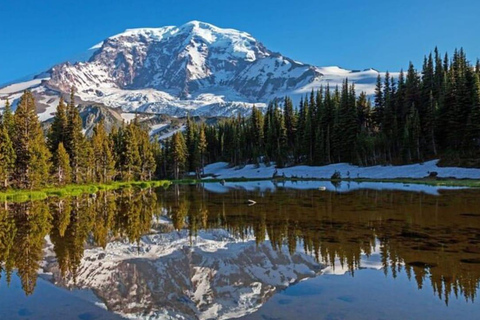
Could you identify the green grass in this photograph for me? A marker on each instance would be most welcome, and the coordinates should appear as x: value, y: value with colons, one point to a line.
x: 76, y: 190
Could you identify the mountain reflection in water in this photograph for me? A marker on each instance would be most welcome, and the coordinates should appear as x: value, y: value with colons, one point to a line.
x: 196, y: 253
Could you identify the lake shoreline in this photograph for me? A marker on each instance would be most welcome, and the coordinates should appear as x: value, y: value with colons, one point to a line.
x: 439, y: 182
x: 221, y: 172
x: 76, y: 190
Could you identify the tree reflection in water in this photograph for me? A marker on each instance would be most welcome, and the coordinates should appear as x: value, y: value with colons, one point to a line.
x: 431, y: 238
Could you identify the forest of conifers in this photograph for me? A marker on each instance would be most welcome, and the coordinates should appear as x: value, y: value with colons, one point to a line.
x: 414, y: 117
x: 29, y: 160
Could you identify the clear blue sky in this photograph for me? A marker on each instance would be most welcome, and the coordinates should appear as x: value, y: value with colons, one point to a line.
x: 355, y: 34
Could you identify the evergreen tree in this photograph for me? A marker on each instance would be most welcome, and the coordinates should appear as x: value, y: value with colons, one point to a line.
x: 202, y: 146
x: 347, y: 121
x: 132, y: 160
x: 7, y: 157
x: 290, y: 124
x: 379, y: 103
x: 32, y: 156
x: 7, y: 119
x: 63, y: 171
x: 179, y: 154
x: 190, y: 132
x: 104, y: 162
x: 257, y: 134
x: 147, y: 155
x: 472, y: 136
x: 58, y: 129
x: 75, y: 143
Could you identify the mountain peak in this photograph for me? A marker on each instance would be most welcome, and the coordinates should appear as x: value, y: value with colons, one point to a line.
x: 194, y: 68
x: 199, y: 24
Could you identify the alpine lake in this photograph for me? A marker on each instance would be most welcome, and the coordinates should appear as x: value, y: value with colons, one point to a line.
x: 302, y: 250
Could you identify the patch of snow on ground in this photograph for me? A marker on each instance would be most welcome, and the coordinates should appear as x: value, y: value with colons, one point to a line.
x: 171, y: 133
x: 156, y: 128
x: 222, y: 170
x: 128, y: 116
x: 49, y: 111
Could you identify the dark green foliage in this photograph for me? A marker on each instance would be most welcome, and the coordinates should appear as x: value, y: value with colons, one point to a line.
x: 134, y: 152
x: 415, y: 117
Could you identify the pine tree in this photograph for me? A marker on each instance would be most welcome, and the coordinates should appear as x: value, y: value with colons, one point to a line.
x: 347, y: 121
x: 327, y: 125
x: 379, y: 103
x: 132, y: 160
x: 104, y: 162
x: 472, y: 136
x: 58, y: 130
x: 75, y: 143
x: 190, y: 132
x: 7, y: 119
x: 179, y: 154
x: 290, y: 124
x: 257, y: 134
x: 202, y: 146
x: 63, y: 171
x: 32, y: 156
x: 147, y: 155
x: 363, y: 112
x: 7, y: 157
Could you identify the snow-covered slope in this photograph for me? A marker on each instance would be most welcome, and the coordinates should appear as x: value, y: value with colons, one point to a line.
x: 197, y: 68
x: 222, y: 170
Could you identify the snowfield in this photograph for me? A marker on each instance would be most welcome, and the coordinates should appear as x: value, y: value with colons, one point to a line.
x: 19, y: 87
x: 222, y: 170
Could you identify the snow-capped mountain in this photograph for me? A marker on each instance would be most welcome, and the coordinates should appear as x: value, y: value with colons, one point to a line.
x: 197, y: 68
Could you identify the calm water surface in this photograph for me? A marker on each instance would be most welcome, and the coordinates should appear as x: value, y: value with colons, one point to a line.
x: 192, y: 252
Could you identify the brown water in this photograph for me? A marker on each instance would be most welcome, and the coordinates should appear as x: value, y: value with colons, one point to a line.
x: 187, y: 251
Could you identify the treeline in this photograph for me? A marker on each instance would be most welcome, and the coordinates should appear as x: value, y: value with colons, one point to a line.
x: 415, y: 117
x: 29, y: 160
